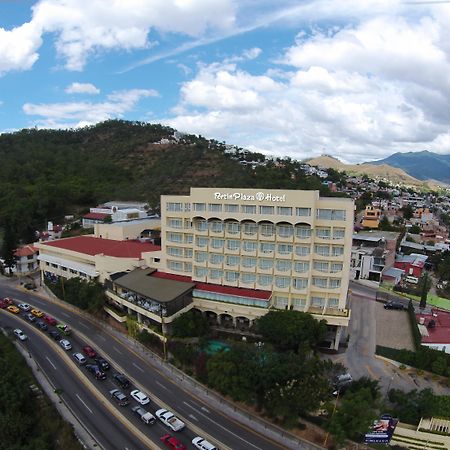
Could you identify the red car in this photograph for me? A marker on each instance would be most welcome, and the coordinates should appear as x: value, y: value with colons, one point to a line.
x: 50, y: 320
x: 89, y: 351
x: 8, y: 301
x: 2, y: 304
x: 173, y: 442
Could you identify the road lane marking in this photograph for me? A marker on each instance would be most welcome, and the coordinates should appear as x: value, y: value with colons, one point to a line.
x: 87, y: 407
x: 193, y: 417
x: 221, y: 426
x: 117, y: 350
x: 48, y: 359
x: 205, y: 409
x: 83, y: 325
x: 161, y: 385
x: 138, y: 367
x: 65, y: 314
x: 102, y: 337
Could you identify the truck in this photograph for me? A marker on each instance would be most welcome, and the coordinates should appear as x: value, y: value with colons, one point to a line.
x: 145, y: 416
x: 169, y: 419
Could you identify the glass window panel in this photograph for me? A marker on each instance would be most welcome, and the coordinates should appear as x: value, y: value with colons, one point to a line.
x: 265, y: 264
x: 265, y: 280
x: 266, y: 210
x: 303, y: 212
x: 283, y: 265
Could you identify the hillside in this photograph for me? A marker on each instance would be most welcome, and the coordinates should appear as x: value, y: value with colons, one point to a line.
x: 393, y: 174
x: 46, y: 174
x: 423, y: 165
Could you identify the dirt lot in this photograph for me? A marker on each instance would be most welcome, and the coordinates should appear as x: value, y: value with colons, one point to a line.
x: 393, y: 328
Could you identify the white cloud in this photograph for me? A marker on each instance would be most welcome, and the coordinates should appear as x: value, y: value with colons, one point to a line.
x: 82, y: 88
x: 75, y: 114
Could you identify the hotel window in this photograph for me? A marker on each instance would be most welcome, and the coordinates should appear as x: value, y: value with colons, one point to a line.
x: 174, y: 251
x: 201, y: 257
x: 302, y: 250
x: 267, y: 247
x: 248, y: 278
x: 233, y: 227
x: 321, y: 266
x: 303, y: 212
x: 284, y: 210
x: 188, y: 252
x: 336, y: 267
x: 250, y: 228
x: 283, y: 265
x: 201, y: 225
x: 175, y: 237
x: 298, y: 303
x: 176, y: 223
x: 200, y: 272
x: 215, y: 258
x: 320, y: 282
x: 175, y: 265
x: 215, y: 274
x: 232, y: 260
x: 187, y: 224
x: 285, y: 249
x: 248, y: 262
x: 280, y: 302
x: 188, y: 267
x: 333, y: 303
x: 331, y: 214
x: 323, y: 233
x: 322, y: 250
x: 303, y: 232
x: 335, y: 283
x: 301, y: 267
x: 266, y: 210
x: 285, y: 230
x: 265, y: 280
x: 267, y: 229
x: 233, y: 244
x: 282, y: 282
x: 187, y: 207
x: 174, y: 207
x: 199, y: 207
x: 202, y: 242
x: 215, y: 207
x: 317, y: 302
x: 248, y: 209
x: 217, y: 243
x: 232, y: 208
x: 338, y: 250
x: 300, y: 283
x: 216, y: 226
x: 265, y: 264
x: 188, y: 238
x: 338, y: 233
x: 249, y: 246
x: 231, y: 277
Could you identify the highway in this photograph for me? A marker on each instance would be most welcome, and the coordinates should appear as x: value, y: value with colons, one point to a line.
x: 164, y: 392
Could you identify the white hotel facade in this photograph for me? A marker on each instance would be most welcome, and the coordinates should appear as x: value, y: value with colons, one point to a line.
x: 281, y: 249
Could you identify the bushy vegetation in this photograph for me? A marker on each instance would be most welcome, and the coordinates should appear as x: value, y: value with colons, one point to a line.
x: 26, y: 422
x: 190, y: 324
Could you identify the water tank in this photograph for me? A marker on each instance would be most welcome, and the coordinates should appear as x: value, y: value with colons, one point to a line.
x: 422, y: 320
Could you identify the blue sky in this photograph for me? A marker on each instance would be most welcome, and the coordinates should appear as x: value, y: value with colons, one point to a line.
x: 358, y: 80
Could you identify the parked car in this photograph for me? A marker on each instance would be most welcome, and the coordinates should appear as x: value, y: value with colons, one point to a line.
x: 172, y: 442
x: 42, y: 325
x: 8, y: 301
x: 29, y: 286
x: 50, y: 320
x: 55, y: 335
x: 102, y: 363
x: 95, y: 370
x: 14, y: 309
x: 169, y: 419
x: 2, y: 304
x: 65, y: 344
x: 89, y: 351
x: 20, y: 334
x: 119, y: 397
x: 79, y: 358
x: 412, y: 280
x: 24, y: 306
x: 140, y: 397
x: 203, y: 444
x: 394, y: 305
x: 144, y: 415
x: 121, y: 380
x: 29, y: 317
x: 64, y: 329
x: 37, y: 313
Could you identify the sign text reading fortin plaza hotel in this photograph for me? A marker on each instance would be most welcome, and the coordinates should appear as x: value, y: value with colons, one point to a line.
x: 258, y: 196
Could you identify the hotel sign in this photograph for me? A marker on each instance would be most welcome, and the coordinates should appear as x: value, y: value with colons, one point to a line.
x: 259, y: 196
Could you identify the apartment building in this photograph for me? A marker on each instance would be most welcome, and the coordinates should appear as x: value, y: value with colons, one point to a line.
x: 290, y: 248
x: 372, y: 216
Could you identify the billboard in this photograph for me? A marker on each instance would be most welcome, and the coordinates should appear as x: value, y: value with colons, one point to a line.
x: 381, y: 430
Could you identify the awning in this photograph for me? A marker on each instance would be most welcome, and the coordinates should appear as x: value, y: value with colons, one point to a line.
x: 79, y: 267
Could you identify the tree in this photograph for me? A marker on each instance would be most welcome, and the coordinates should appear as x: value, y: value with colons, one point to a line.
x: 9, y: 245
x: 444, y: 266
x: 190, y: 324
x: 414, y: 229
x: 408, y: 212
x: 291, y: 330
x: 425, y: 287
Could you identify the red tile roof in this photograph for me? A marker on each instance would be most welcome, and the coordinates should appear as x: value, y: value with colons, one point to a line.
x: 96, y: 216
x: 90, y: 245
x: 218, y: 288
x: 440, y: 333
x: 26, y: 250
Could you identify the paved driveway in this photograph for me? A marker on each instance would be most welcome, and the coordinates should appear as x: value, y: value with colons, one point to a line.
x: 393, y: 328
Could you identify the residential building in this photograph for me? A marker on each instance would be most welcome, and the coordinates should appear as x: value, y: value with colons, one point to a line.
x: 434, y: 327
x: 372, y: 216
x: 412, y: 264
x: 26, y: 258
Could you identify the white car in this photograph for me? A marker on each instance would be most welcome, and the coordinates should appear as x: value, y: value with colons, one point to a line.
x: 169, y: 419
x: 24, y: 306
x: 203, y: 444
x: 140, y: 397
x: 20, y: 334
x: 65, y: 344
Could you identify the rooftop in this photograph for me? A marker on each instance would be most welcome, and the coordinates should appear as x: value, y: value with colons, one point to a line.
x: 26, y: 250
x: 92, y: 246
x: 96, y: 216
x: 440, y: 333
x: 376, y: 235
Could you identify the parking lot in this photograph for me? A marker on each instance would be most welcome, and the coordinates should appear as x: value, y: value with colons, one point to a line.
x: 393, y: 328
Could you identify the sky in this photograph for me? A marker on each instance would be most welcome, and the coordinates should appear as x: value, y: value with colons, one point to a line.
x: 355, y: 79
